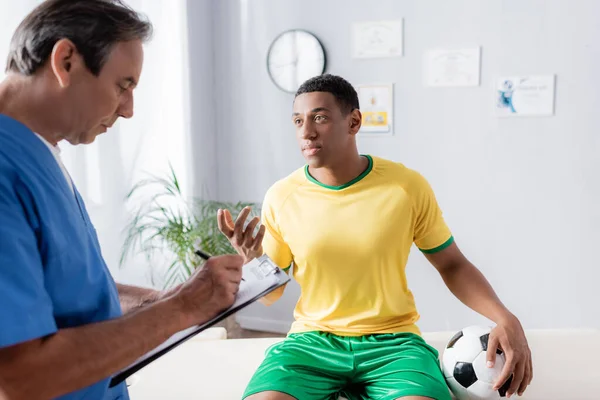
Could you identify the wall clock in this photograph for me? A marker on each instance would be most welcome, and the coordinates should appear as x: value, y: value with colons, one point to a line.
x: 293, y: 57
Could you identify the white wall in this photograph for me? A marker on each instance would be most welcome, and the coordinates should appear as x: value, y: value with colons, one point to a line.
x: 521, y: 195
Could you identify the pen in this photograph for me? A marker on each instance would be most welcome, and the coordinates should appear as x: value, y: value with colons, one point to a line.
x: 204, y: 255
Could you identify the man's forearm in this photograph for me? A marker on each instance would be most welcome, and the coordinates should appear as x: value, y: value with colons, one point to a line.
x: 272, y: 297
x: 469, y: 285
x: 133, y: 297
x: 75, y: 358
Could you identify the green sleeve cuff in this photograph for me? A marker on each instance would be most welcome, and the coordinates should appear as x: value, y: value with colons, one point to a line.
x: 440, y: 247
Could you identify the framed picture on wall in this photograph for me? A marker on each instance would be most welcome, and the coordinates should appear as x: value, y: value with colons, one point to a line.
x: 377, y: 39
x: 452, y: 67
x: 525, y: 96
x: 377, y: 108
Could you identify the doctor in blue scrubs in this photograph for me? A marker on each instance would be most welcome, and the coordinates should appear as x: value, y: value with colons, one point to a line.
x: 65, y: 326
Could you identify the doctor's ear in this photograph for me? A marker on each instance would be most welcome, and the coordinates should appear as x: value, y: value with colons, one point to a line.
x: 64, y: 59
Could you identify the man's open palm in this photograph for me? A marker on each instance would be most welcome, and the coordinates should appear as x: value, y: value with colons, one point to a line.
x: 242, y: 239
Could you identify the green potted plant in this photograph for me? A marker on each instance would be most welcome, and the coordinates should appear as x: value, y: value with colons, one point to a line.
x: 165, y: 223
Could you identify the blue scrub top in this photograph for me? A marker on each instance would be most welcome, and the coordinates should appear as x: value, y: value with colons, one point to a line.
x: 52, y: 274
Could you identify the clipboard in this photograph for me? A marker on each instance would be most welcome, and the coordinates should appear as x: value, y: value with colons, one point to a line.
x: 260, y: 276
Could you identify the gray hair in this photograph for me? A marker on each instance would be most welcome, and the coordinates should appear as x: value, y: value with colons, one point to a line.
x: 94, y: 26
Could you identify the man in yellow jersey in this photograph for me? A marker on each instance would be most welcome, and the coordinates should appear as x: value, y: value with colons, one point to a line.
x: 347, y: 222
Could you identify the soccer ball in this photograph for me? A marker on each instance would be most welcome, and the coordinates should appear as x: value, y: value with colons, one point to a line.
x: 465, y: 366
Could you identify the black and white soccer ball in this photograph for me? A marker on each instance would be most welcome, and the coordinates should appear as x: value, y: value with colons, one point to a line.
x: 465, y: 367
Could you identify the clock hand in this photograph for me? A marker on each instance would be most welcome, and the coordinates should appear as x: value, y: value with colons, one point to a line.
x: 283, y: 65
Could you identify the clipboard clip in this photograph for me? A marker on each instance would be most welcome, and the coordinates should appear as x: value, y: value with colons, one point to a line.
x: 267, y: 266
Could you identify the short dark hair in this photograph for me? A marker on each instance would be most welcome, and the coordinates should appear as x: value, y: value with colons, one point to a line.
x: 94, y: 26
x: 341, y: 89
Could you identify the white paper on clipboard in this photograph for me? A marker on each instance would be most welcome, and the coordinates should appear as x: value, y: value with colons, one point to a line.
x: 260, y: 277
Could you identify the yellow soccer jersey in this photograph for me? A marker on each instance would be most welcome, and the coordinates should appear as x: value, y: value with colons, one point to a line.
x: 349, y: 246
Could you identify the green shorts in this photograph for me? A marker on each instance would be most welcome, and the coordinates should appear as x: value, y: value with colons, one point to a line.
x: 317, y: 365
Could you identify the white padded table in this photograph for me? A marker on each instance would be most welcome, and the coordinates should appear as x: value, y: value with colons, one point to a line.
x: 566, y: 367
